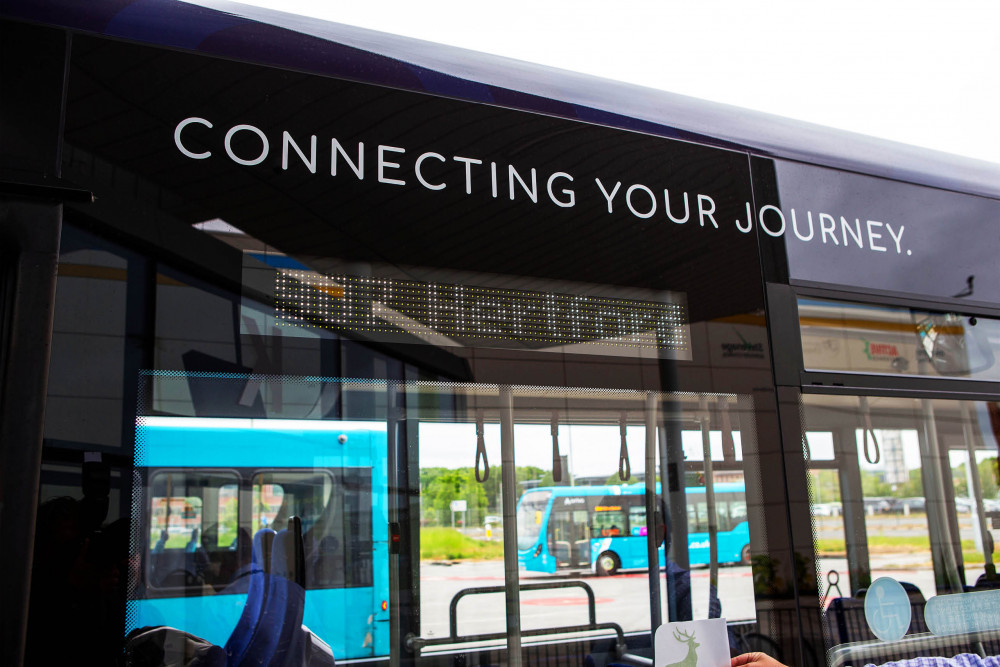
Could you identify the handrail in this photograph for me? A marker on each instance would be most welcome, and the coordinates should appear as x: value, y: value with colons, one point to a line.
x: 879, y: 651
x: 415, y: 643
x: 453, y: 607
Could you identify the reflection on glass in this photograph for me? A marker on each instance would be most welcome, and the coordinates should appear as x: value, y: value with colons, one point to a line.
x: 902, y: 488
x: 841, y: 336
x: 212, y: 534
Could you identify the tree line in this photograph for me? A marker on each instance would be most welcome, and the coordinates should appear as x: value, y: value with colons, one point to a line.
x: 440, y: 486
x: 825, y: 487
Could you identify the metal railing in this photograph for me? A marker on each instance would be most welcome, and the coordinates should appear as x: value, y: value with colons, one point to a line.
x: 416, y: 644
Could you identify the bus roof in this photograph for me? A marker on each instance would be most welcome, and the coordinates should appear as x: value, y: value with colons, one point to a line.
x: 194, y: 442
x: 233, y: 30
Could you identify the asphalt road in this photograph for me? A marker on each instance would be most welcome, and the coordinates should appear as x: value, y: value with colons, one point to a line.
x: 623, y: 599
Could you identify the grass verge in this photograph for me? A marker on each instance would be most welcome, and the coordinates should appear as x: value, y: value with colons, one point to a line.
x: 449, y: 544
x: 890, y: 544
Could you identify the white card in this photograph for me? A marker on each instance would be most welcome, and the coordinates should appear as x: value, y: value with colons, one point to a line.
x: 702, y: 643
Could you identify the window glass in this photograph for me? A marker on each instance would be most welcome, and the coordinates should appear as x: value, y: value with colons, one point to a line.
x: 529, y: 517
x: 403, y: 404
x: 842, y: 336
x: 908, y: 495
x: 192, y: 529
x: 637, y: 521
x: 336, y: 528
x: 608, y: 522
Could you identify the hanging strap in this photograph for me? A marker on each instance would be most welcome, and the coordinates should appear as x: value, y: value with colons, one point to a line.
x: 832, y: 581
x: 481, y: 450
x: 557, y: 471
x: 624, y: 467
x: 867, y: 429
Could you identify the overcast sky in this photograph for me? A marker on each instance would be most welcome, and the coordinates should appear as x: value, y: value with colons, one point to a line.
x: 923, y: 73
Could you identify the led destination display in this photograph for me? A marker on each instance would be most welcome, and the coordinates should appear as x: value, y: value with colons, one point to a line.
x: 449, y: 315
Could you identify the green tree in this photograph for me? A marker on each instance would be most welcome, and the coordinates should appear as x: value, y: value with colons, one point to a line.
x: 988, y: 474
x: 824, y: 486
x: 445, y: 488
x: 872, y: 484
x: 913, y: 487
x: 959, y: 480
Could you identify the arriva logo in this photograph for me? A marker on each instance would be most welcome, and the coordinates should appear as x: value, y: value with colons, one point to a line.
x: 880, y: 350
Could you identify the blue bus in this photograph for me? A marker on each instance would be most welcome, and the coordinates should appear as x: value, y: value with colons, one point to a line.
x: 603, y: 528
x: 209, y: 485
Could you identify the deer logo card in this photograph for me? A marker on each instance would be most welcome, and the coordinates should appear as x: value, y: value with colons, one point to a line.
x: 702, y: 643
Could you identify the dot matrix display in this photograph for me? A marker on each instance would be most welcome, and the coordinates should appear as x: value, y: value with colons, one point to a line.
x: 447, y: 314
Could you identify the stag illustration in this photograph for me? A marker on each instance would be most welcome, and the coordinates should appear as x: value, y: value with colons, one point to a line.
x: 691, y: 659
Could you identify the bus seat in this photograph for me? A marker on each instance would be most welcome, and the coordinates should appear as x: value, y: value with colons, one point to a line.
x: 845, y: 621
x: 318, y: 652
x: 164, y: 645
x: 984, y: 582
x: 279, y: 638
x: 259, y: 576
x: 845, y: 617
x: 161, y: 543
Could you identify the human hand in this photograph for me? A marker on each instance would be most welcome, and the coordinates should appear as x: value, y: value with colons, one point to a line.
x: 755, y: 659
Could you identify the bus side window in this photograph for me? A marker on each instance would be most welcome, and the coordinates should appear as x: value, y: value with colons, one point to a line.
x: 637, y: 520
x: 724, y: 522
x: 737, y: 512
x: 608, y: 524
x: 193, y: 529
x: 697, y: 516
x: 335, y: 507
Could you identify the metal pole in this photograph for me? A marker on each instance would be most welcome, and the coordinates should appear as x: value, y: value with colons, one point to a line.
x: 508, y: 481
x: 713, y: 528
x: 393, y: 479
x: 933, y: 467
x: 976, y: 491
x: 652, y: 548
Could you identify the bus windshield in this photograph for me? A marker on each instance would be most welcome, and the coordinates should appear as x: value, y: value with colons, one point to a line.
x: 530, y: 511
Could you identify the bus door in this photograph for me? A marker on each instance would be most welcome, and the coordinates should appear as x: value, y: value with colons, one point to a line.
x: 569, y: 541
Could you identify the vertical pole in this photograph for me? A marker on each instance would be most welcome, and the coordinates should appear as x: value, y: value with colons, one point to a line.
x: 934, y: 463
x: 845, y: 444
x: 508, y: 481
x: 673, y: 481
x: 975, y: 486
x: 652, y: 547
x: 713, y: 527
x: 394, y: 491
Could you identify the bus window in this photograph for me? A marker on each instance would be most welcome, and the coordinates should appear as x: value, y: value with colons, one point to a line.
x: 637, y: 520
x: 909, y: 493
x: 193, y: 529
x: 737, y: 512
x: 267, y: 499
x: 608, y: 521
x: 336, y: 526
x: 529, y: 518
x: 730, y: 510
x: 697, y: 517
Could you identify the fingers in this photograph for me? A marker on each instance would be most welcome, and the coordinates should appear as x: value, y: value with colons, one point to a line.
x: 743, y: 660
x: 755, y: 659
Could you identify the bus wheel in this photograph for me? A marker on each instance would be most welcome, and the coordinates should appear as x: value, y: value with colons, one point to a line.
x: 607, y: 564
x: 745, y: 555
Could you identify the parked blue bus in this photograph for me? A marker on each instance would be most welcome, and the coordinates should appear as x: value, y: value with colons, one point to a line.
x: 209, y: 485
x: 603, y: 528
